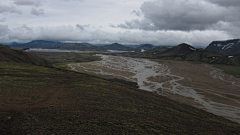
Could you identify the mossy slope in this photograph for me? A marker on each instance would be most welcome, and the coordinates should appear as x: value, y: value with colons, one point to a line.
x: 10, y: 55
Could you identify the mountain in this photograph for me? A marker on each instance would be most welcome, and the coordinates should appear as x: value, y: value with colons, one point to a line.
x: 9, y: 55
x: 146, y: 46
x: 36, y: 44
x: 180, y: 52
x: 228, y: 47
x: 189, y: 53
x: 116, y: 46
x: 46, y: 44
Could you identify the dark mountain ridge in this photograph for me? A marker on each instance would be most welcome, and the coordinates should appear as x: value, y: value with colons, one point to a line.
x: 146, y: 46
x: 227, y: 47
x: 116, y: 46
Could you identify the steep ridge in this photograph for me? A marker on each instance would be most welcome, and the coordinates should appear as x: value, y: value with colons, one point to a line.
x: 9, y: 55
x: 228, y: 47
x: 178, y: 52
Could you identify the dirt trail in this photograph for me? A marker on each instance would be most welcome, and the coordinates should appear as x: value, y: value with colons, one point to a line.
x: 200, y: 85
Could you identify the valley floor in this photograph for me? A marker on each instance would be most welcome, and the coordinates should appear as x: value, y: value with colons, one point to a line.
x: 200, y: 85
x: 41, y: 100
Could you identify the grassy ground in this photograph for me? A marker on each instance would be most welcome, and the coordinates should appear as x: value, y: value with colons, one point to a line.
x: 60, y: 59
x: 235, y: 70
x: 41, y: 100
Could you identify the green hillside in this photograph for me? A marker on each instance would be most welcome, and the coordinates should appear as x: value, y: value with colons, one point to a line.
x: 10, y: 55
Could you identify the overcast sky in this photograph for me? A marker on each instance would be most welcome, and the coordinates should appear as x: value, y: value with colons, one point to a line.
x: 158, y: 22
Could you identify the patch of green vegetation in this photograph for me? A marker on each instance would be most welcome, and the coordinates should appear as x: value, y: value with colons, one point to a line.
x: 178, y: 59
x: 132, y: 84
x: 235, y: 70
x: 62, y: 66
x: 232, y: 96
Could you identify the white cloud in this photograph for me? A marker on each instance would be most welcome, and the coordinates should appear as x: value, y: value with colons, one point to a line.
x: 37, y: 12
x: 198, y: 22
x: 3, y: 19
x: 70, y: 33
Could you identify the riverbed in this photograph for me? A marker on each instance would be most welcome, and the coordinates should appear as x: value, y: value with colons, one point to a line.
x: 200, y: 85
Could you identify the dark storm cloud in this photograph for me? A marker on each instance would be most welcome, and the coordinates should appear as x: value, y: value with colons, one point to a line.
x: 9, y: 9
x: 28, y: 2
x: 37, y: 12
x: 226, y: 2
x: 183, y: 15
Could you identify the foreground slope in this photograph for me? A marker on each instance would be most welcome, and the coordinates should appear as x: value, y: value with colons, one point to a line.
x: 10, y: 55
x: 42, y: 100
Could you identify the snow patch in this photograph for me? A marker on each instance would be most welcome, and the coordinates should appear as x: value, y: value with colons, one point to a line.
x: 192, y: 48
x: 227, y: 46
x: 219, y: 45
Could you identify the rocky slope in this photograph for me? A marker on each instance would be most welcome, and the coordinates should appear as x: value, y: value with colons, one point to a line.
x: 228, y: 47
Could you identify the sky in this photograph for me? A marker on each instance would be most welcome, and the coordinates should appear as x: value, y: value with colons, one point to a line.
x: 157, y: 22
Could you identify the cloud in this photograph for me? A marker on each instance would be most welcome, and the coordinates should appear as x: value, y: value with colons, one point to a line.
x: 28, y: 2
x: 112, y: 26
x: 9, y: 9
x: 82, y: 27
x: 3, y: 19
x: 137, y: 13
x: 37, y: 12
x: 73, y: 0
x: 226, y: 2
x: 184, y: 15
x: 70, y: 33
x: 4, y: 32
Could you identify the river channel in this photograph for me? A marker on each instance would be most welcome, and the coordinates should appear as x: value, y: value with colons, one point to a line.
x: 157, y: 77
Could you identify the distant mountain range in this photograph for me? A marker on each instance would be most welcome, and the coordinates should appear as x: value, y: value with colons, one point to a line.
x: 228, y: 47
x: 71, y: 46
x: 43, y: 43
x: 146, y: 46
x: 116, y: 46
x: 189, y: 53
